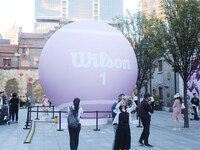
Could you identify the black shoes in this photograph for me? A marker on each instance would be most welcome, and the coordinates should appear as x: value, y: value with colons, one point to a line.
x: 141, y: 143
x: 148, y: 145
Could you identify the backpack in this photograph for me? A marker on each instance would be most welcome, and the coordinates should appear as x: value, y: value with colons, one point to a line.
x: 72, y: 119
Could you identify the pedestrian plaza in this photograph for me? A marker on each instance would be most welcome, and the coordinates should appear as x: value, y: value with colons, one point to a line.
x: 46, y: 136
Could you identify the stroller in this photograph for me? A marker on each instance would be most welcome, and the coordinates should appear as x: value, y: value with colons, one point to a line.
x: 5, y: 115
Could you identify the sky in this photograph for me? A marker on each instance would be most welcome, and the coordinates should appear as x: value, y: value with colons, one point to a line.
x: 21, y: 14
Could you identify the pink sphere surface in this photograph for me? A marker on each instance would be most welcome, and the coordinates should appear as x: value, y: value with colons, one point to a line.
x: 90, y: 60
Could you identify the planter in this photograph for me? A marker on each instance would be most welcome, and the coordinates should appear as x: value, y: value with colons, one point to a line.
x: 158, y: 107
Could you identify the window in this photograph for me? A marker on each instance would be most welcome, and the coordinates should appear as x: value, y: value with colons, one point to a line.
x: 95, y: 17
x: 96, y: 12
x: 64, y: 3
x: 154, y: 92
x: 161, y: 93
x: 64, y: 10
x: 7, y: 62
x: 146, y: 88
x: 95, y: 6
x: 160, y: 66
x: 64, y: 16
x: 25, y: 53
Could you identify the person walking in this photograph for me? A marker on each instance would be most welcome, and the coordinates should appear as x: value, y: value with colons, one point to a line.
x: 45, y: 103
x: 76, y: 110
x: 176, y: 116
x: 145, y: 115
x: 195, y: 104
x: 113, y: 116
x: 189, y: 107
x: 14, y: 107
x: 123, y: 119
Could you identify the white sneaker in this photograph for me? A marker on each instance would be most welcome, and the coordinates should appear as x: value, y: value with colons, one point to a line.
x: 174, y: 128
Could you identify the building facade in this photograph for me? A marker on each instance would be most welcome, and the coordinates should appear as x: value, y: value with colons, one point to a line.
x: 153, y: 6
x: 50, y: 13
x: 19, y: 65
x: 165, y: 82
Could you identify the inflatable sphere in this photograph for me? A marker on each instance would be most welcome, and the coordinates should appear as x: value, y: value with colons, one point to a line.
x: 90, y: 60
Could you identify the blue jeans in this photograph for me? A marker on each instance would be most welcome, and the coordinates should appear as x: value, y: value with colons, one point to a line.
x: 114, y: 129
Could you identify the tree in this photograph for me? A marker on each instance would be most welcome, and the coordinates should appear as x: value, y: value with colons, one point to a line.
x: 136, y: 28
x: 179, y: 39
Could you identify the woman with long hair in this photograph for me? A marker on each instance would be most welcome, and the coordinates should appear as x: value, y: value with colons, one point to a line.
x: 123, y: 119
x: 176, y: 116
x: 76, y: 110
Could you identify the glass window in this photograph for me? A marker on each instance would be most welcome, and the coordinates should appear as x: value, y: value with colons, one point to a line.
x: 64, y: 3
x: 63, y: 10
x: 95, y: 6
x: 160, y: 66
x: 154, y: 92
x: 25, y: 53
x: 7, y: 62
x: 161, y: 93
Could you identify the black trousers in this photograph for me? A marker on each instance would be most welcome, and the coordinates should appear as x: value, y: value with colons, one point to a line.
x: 14, y: 113
x: 195, y: 113
x: 74, y: 137
x: 145, y: 133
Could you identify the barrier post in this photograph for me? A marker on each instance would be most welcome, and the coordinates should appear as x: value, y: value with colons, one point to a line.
x: 97, y: 122
x: 139, y: 119
x: 27, y: 120
x: 53, y: 113
x: 59, y: 122
x: 30, y: 114
x: 37, y: 113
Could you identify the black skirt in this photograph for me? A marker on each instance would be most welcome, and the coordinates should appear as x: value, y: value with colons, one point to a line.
x: 123, y: 136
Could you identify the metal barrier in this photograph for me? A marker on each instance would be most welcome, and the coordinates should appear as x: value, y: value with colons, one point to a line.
x: 29, y: 111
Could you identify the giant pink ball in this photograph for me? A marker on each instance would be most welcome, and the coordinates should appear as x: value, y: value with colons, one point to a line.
x: 90, y: 60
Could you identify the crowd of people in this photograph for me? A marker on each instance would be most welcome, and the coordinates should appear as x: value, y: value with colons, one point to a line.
x: 121, y: 115
x: 13, y: 103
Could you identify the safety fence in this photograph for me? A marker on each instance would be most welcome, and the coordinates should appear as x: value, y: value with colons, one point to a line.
x: 53, y: 112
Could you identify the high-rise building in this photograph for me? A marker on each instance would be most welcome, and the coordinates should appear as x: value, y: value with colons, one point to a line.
x: 12, y: 35
x: 153, y: 6
x: 49, y: 13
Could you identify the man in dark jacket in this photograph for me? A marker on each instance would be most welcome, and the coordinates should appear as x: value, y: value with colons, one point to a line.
x: 195, y: 104
x: 145, y: 115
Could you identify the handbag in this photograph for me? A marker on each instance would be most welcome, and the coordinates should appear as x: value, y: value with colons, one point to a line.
x: 72, y: 119
x: 182, y: 106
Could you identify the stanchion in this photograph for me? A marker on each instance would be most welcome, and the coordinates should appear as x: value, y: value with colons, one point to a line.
x: 53, y: 113
x: 37, y: 113
x: 30, y: 114
x: 139, y: 125
x: 59, y: 122
x: 97, y: 122
x: 27, y: 120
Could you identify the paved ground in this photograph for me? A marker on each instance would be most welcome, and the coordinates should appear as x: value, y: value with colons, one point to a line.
x: 47, y: 138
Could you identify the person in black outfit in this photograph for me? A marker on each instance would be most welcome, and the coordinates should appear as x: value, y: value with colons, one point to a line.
x: 14, y: 107
x: 113, y: 116
x: 74, y: 132
x: 145, y: 115
x: 123, y: 119
x: 195, y: 104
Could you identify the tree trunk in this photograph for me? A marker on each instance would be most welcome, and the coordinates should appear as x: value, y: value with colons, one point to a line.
x: 186, y: 121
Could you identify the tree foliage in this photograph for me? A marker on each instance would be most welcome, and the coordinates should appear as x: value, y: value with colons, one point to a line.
x: 135, y: 28
x: 179, y: 38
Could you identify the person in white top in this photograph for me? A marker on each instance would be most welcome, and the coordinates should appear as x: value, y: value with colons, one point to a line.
x: 123, y: 119
x: 152, y: 103
x: 74, y: 132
